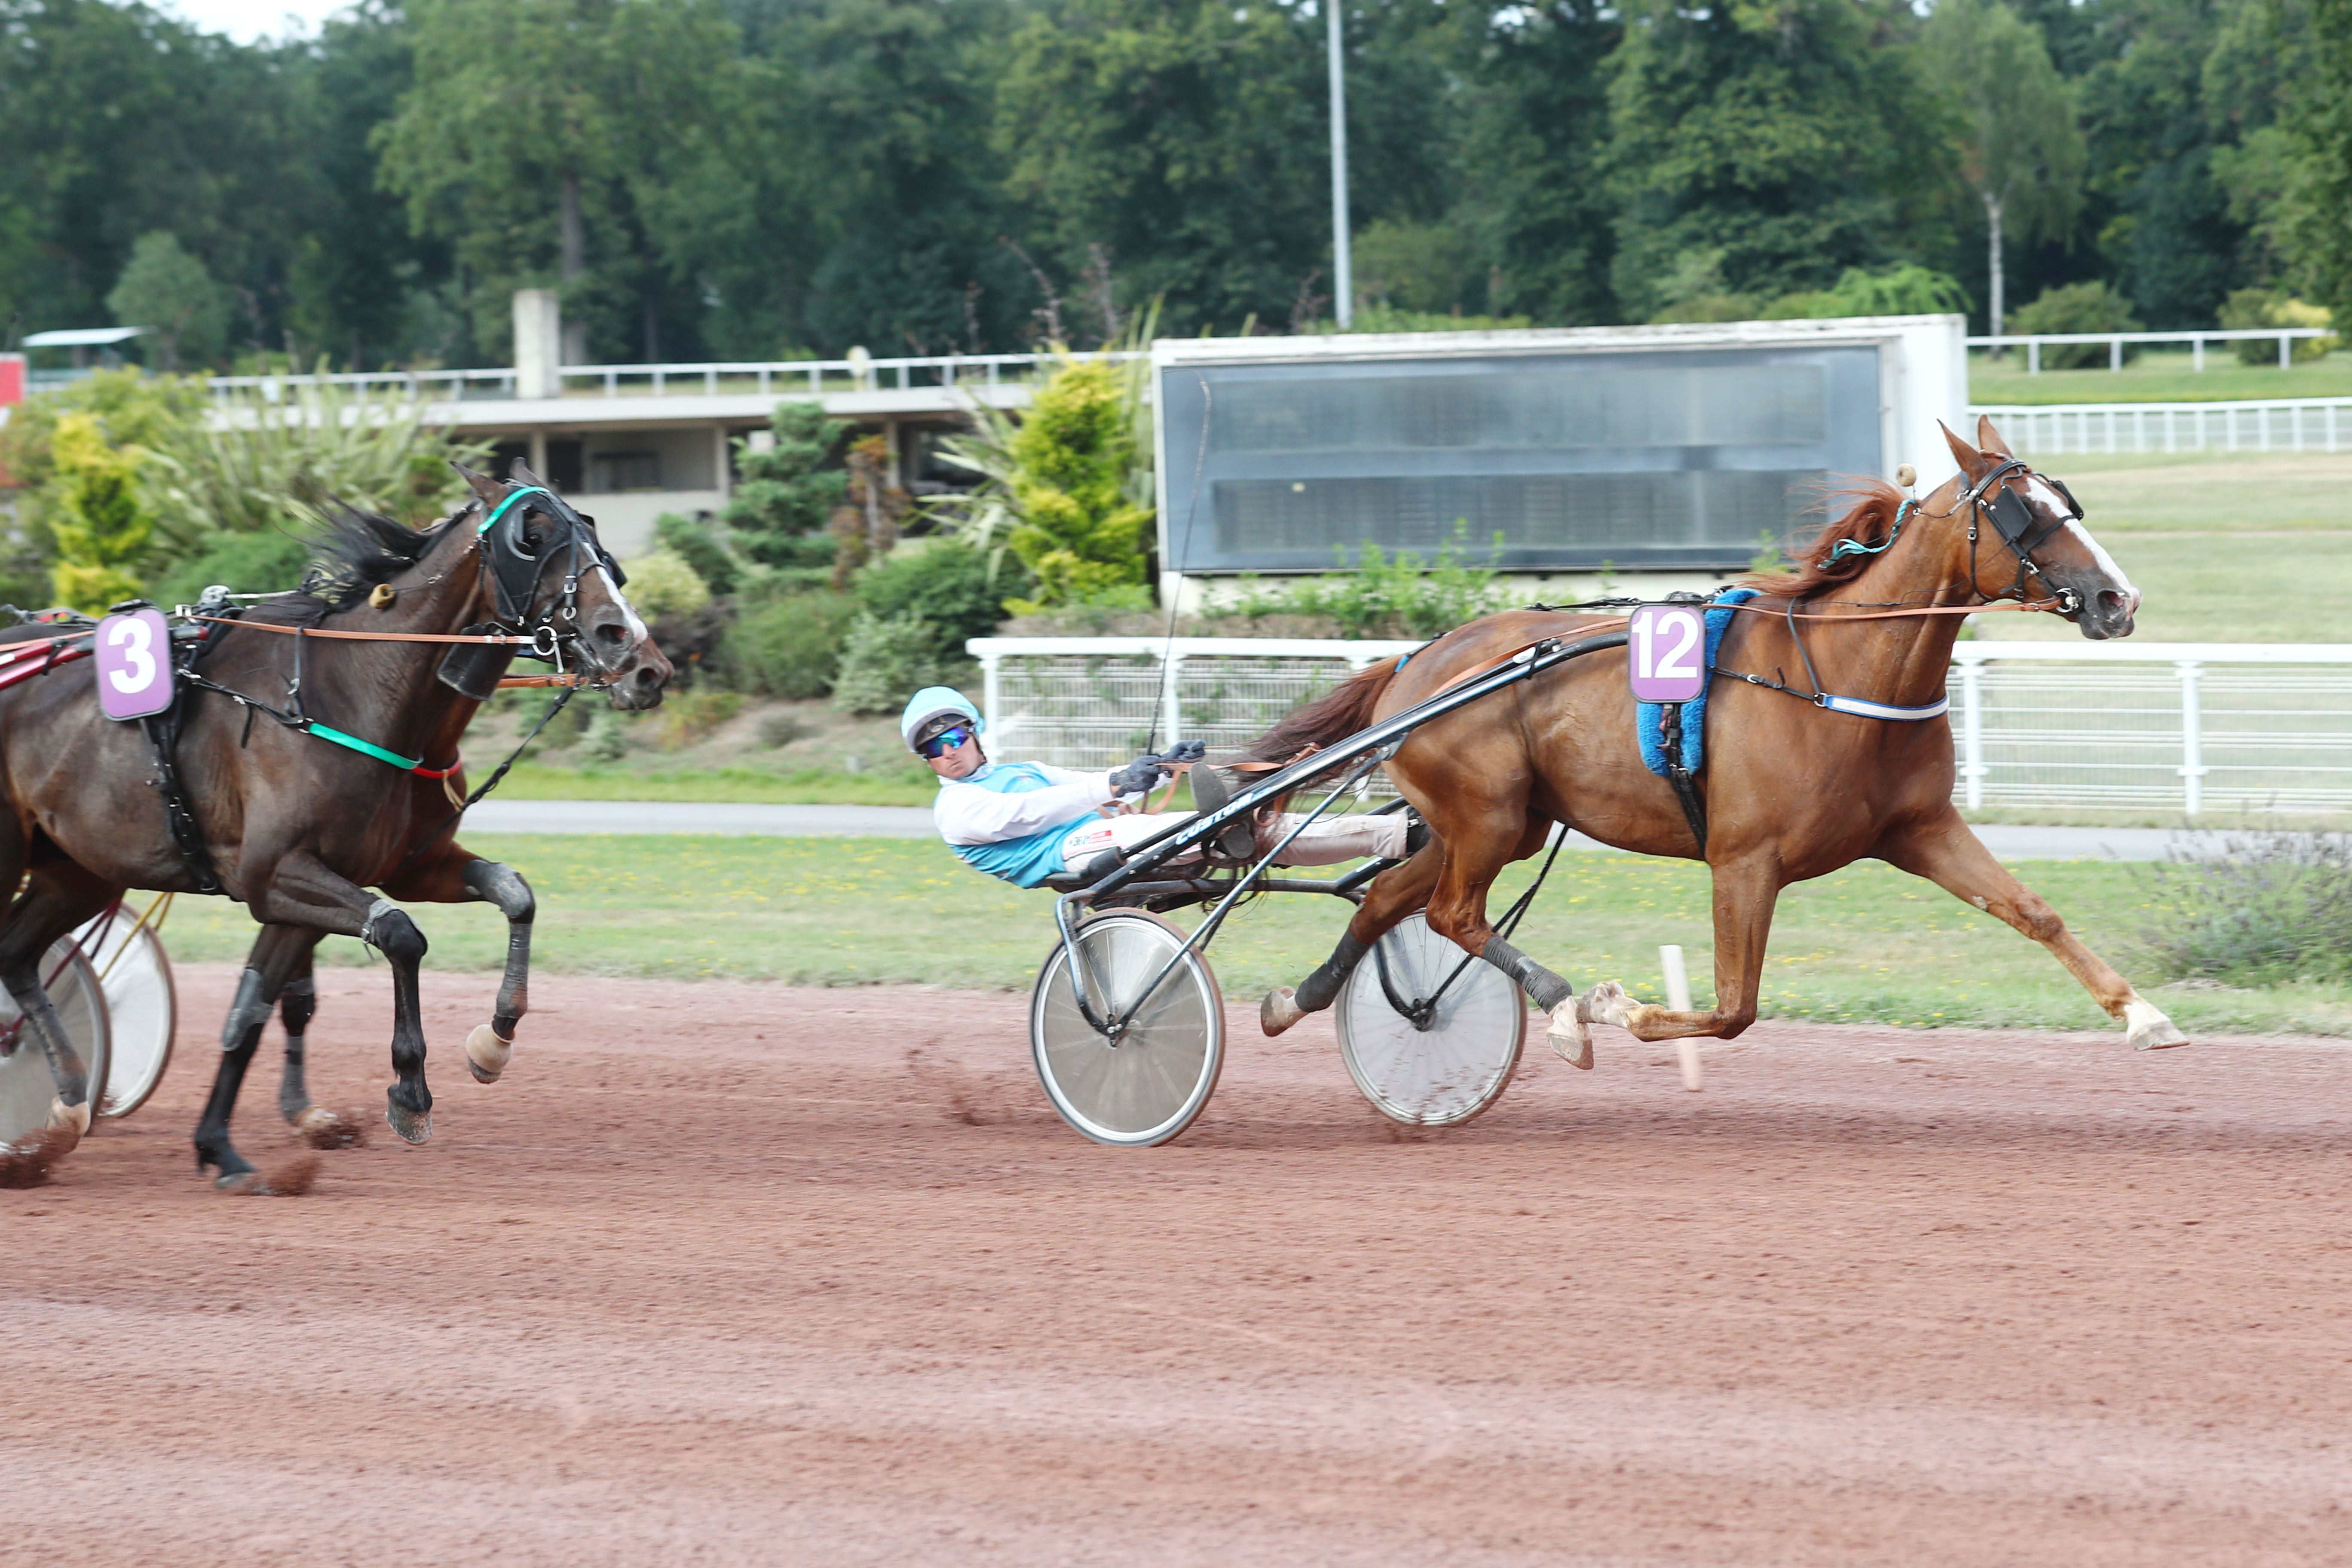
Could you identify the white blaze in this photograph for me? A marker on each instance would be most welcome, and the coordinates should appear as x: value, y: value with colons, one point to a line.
x: 2041, y: 491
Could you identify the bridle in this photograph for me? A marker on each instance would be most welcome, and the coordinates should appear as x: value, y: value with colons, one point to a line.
x: 2013, y: 520
x: 512, y: 570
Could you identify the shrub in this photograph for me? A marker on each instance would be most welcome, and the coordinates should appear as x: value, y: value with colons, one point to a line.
x: 2268, y: 307
x: 98, y: 514
x: 789, y: 646
x: 2078, y: 307
x: 2271, y: 907
x: 700, y: 547
x: 663, y: 584
x: 1908, y: 289
x: 1081, y: 487
x: 689, y: 716
x: 884, y: 661
x: 787, y: 494
x: 1402, y: 595
x: 944, y: 584
x: 607, y: 738
x: 782, y: 729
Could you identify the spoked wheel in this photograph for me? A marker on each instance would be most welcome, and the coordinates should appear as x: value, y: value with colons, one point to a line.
x: 1429, y: 1065
x: 26, y: 1088
x: 1147, y: 1086
x: 142, y: 1004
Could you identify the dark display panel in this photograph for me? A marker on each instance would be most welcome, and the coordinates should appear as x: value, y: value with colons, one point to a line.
x: 1676, y: 459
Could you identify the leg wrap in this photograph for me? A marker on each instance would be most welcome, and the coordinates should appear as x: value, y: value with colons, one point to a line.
x: 1544, y: 988
x: 247, y: 1015
x: 1321, y: 989
x: 296, y: 1005
x: 511, y: 896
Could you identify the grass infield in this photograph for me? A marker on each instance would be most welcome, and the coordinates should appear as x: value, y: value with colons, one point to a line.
x: 1866, y: 944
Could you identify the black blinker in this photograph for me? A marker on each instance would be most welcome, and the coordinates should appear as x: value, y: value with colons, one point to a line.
x: 2011, y: 515
x: 2072, y: 504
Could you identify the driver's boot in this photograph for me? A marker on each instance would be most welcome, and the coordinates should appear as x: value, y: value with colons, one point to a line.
x: 1237, y: 840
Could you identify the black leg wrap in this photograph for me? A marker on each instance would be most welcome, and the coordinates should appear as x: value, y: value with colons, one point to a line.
x: 1544, y: 988
x: 247, y: 1015
x: 1321, y: 989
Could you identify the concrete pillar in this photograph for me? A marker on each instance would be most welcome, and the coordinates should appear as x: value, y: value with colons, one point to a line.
x: 538, y: 344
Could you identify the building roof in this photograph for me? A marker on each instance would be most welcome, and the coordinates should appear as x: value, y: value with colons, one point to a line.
x: 84, y: 337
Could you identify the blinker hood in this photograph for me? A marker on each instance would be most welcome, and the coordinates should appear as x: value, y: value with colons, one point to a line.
x: 515, y: 568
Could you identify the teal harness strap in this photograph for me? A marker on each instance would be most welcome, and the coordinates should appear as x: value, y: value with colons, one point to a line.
x: 499, y: 510
x: 366, y: 748
x: 1846, y: 547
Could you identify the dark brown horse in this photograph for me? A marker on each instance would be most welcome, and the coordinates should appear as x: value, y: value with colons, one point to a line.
x: 294, y: 824
x: 1792, y: 791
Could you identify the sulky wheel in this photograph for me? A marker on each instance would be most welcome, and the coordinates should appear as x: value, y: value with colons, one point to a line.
x: 142, y: 1005
x: 26, y: 1085
x: 1147, y: 1086
x: 1453, y: 1061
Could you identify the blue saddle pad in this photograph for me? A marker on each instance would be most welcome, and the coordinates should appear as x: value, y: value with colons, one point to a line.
x: 1649, y: 717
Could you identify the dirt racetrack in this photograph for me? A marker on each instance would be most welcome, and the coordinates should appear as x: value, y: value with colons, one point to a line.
x: 734, y: 1274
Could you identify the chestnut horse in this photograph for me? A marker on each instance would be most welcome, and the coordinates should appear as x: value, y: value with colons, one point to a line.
x: 1792, y: 790
x: 292, y: 822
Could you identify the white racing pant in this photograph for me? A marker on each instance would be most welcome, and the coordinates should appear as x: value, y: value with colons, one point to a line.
x: 1327, y: 841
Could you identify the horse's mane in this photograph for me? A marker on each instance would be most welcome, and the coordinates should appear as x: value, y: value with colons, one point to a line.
x: 357, y: 550
x: 1867, y: 522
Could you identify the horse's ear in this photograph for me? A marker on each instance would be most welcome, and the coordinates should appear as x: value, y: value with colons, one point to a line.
x: 1989, y: 438
x: 520, y: 472
x: 485, y: 488
x: 1973, y: 463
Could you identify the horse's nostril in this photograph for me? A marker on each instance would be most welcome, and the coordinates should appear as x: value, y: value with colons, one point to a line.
x: 647, y: 678
x: 611, y: 632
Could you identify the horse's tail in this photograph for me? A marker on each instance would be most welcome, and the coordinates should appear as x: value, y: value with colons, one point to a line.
x: 1334, y: 716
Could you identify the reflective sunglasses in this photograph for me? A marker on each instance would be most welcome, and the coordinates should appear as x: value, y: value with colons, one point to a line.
x: 941, y: 744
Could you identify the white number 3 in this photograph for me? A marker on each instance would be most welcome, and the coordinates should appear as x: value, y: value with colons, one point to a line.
x: 141, y: 661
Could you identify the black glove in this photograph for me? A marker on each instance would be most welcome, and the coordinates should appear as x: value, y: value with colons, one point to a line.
x: 1139, y: 776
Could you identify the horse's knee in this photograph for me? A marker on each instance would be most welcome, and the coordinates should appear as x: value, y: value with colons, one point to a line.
x: 502, y: 888
x: 391, y: 933
x: 2038, y: 920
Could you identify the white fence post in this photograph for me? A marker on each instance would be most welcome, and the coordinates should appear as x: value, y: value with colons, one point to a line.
x: 1171, y: 708
x: 1973, y: 763
x: 2192, y: 739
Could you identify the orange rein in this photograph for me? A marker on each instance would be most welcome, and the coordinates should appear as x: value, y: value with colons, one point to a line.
x: 1612, y: 623
x: 362, y: 636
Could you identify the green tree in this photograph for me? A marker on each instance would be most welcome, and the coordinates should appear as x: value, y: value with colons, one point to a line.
x: 164, y: 287
x: 1795, y: 137
x: 97, y: 513
x: 2316, y: 226
x: 544, y: 138
x: 1080, y: 492
x: 2021, y: 150
x: 788, y: 493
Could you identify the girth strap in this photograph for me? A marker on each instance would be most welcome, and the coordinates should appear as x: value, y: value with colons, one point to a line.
x: 179, y: 818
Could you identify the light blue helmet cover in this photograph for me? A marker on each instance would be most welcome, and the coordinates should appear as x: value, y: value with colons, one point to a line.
x: 937, y: 703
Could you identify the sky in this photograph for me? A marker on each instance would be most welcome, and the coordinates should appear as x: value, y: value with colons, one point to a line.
x: 247, y: 20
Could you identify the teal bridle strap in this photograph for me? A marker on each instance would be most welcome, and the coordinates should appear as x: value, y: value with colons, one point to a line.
x: 499, y: 510
x: 1846, y: 547
x: 365, y: 748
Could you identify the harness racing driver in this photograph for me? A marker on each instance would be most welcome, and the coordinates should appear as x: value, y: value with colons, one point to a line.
x: 1027, y: 821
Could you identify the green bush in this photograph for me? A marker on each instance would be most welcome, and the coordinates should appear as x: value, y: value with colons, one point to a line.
x: 1082, y: 488
x: 947, y: 586
x: 264, y: 562
x: 884, y: 661
x: 663, y: 584
x: 787, y: 494
x: 1402, y: 595
x: 2078, y: 307
x: 1908, y: 289
x: 701, y: 547
x: 2250, y: 307
x: 2272, y: 907
x: 789, y: 646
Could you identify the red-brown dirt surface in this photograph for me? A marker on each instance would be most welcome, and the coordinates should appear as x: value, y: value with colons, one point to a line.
x: 731, y: 1274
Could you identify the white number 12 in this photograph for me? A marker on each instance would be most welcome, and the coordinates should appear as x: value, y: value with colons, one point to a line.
x: 1682, y: 629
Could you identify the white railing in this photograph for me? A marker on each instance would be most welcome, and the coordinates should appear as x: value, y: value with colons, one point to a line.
x: 2276, y: 425
x: 2032, y: 342
x: 763, y: 378
x: 2188, y: 726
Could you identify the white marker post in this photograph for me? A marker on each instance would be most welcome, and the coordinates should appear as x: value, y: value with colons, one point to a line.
x: 1678, y: 997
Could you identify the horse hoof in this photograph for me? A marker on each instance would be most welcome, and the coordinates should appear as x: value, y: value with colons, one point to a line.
x: 323, y: 1128
x: 1279, y: 1010
x: 2149, y: 1030
x: 74, y: 1117
x: 1607, y: 1004
x: 243, y: 1184
x: 488, y: 1054
x: 1569, y: 1036
x: 413, y: 1126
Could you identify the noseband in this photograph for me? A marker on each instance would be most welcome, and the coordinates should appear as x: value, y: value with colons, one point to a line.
x: 2013, y: 521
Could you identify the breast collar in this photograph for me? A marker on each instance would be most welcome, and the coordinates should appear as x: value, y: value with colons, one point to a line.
x: 515, y: 569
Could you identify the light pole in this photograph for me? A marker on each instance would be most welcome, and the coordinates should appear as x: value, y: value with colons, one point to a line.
x: 1343, y: 282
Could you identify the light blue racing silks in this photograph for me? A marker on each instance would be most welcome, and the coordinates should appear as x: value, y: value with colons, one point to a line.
x: 1023, y: 861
